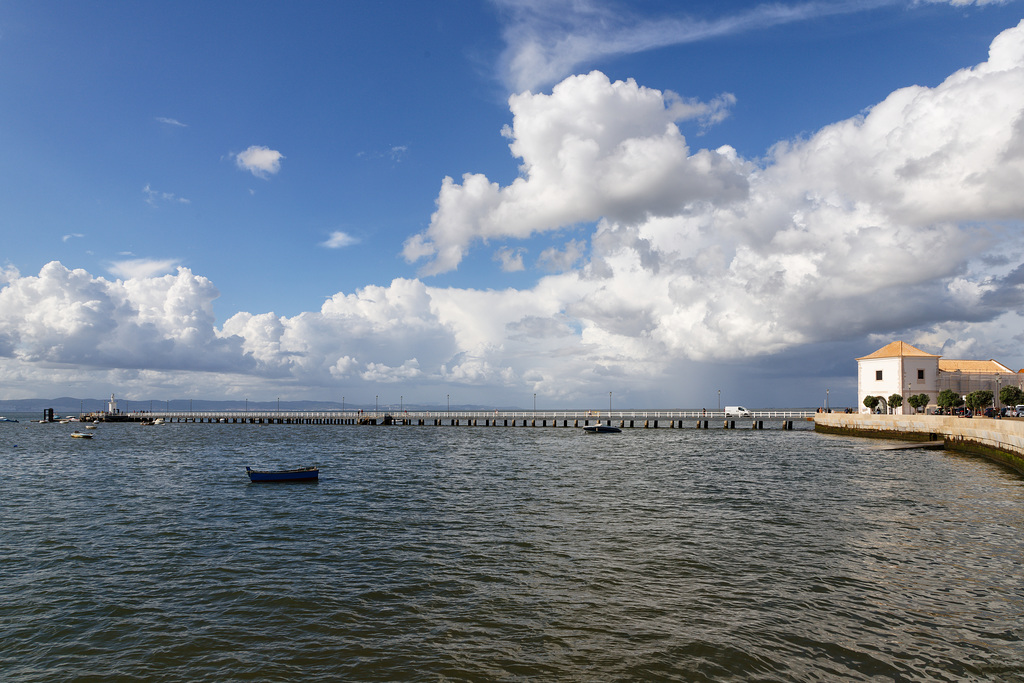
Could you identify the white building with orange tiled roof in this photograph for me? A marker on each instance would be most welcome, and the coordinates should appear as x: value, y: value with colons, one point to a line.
x: 899, y: 368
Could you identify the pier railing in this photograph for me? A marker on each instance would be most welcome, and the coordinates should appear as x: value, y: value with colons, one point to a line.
x: 630, y: 418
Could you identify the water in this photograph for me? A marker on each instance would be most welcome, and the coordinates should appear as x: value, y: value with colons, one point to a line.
x: 460, y: 553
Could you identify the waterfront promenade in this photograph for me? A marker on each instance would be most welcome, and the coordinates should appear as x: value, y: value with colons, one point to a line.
x: 1001, y: 440
x: 626, y: 419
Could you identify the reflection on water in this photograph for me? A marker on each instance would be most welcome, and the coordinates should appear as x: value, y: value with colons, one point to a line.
x: 474, y: 554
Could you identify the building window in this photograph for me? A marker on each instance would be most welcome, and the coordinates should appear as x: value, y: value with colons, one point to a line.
x: 878, y: 375
x: 920, y: 375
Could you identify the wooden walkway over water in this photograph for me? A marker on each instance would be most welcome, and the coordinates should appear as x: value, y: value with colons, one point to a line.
x: 628, y: 419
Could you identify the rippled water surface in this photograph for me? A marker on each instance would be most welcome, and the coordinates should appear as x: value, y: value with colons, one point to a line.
x: 462, y: 553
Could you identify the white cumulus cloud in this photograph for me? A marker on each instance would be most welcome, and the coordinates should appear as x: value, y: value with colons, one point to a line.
x: 905, y: 219
x: 260, y: 161
x: 591, y: 149
x: 566, y: 258
x: 511, y: 260
x: 70, y: 318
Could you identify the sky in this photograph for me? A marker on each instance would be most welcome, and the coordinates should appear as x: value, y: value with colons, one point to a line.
x: 669, y: 204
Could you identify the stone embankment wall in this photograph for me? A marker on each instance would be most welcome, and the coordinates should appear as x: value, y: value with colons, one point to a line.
x: 1001, y: 440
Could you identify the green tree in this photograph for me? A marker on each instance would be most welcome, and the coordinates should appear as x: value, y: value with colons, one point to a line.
x: 895, y: 401
x: 918, y: 402
x: 986, y: 399
x: 949, y: 399
x: 871, y: 402
x: 979, y: 400
x: 1011, y: 396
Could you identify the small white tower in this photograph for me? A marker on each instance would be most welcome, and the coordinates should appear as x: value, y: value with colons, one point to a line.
x: 112, y: 406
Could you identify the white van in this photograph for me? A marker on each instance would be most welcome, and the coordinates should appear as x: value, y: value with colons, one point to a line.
x: 1020, y: 411
x: 737, y: 411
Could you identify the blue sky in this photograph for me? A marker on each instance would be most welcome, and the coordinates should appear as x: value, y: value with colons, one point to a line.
x: 496, y: 199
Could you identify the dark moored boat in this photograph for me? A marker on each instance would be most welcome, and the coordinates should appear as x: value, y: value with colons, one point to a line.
x: 299, y: 474
x: 601, y: 429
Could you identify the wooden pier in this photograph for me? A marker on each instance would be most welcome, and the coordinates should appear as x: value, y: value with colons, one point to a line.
x: 661, y: 419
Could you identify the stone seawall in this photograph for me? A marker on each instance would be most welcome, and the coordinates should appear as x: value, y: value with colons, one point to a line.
x: 1000, y: 440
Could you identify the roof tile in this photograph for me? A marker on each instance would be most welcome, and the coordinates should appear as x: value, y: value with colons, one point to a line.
x: 897, y: 349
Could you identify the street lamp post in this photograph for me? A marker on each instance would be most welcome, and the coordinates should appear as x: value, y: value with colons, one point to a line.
x: 719, y: 399
x: 826, y: 400
x: 535, y: 405
x: 375, y: 401
x: 449, y: 403
x: 609, y: 404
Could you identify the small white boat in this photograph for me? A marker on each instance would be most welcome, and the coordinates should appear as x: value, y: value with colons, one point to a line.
x: 80, y: 435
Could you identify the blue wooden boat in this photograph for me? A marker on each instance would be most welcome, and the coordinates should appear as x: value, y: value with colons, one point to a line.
x: 299, y: 474
x: 601, y: 429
